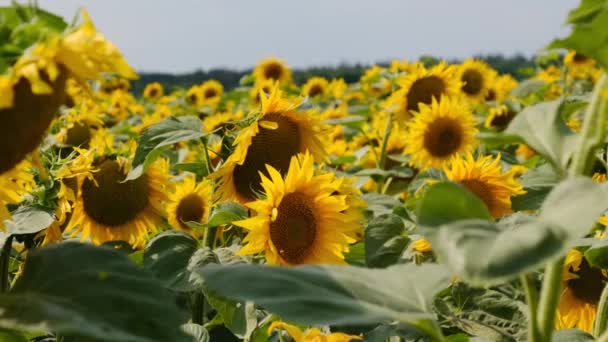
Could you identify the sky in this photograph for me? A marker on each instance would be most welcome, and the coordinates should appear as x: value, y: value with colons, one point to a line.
x: 187, y: 35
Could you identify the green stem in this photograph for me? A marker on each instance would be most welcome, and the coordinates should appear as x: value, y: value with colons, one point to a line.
x: 601, y: 318
x: 208, y: 166
x: 549, y: 298
x: 198, y: 308
x: 387, y: 133
x: 603, y: 337
x: 5, y: 257
x: 532, y: 300
x: 209, y: 237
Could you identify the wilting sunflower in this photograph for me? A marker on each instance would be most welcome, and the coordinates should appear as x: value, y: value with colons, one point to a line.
x: 190, y: 202
x: 278, y: 134
x: 439, y: 132
x: 303, y: 219
x: 311, y: 335
x: 484, y: 178
x: 153, y: 91
x: 421, y: 86
x: 477, y: 78
x: 582, y: 287
x: 315, y: 87
x: 109, y: 209
x: 499, y: 117
x: 211, y: 92
x: 272, y: 69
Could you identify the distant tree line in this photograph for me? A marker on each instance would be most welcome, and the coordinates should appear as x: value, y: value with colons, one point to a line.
x: 514, y: 65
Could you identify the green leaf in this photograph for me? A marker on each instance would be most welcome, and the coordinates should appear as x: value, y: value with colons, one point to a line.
x: 165, y: 133
x: 497, y: 139
x: 352, y: 119
x: 384, y: 240
x: 543, y: 129
x: 571, y: 335
x: 597, y: 254
x: 528, y: 87
x: 79, y: 290
x: 198, y: 332
x: 586, y: 11
x: 379, y: 204
x: 446, y: 202
x: 199, y: 169
x: 239, y: 317
x: 167, y: 257
x: 333, y: 294
x: 26, y: 220
x: 12, y: 336
x: 225, y: 213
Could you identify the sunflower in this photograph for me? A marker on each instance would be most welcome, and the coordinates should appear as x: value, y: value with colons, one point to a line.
x: 108, y: 209
x: 153, y: 91
x: 279, y: 133
x: 484, y: 178
x: 439, y: 132
x: 311, y: 335
x: 194, y: 96
x: 374, y: 83
x: 190, y: 202
x: 549, y: 75
x: 211, y: 92
x: 303, y: 219
x: 576, y: 62
x: 501, y: 87
x: 272, y: 69
x: 421, y: 86
x: 315, y: 87
x: 499, y: 117
x: 582, y: 287
x: 422, y: 245
x: 14, y: 183
x: 262, y: 87
x: 477, y: 78
x: 337, y: 88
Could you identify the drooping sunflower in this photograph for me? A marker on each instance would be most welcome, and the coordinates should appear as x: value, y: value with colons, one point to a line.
x: 312, y: 334
x: 153, y: 91
x: 108, y: 209
x: 211, y: 92
x: 279, y: 133
x: 499, y: 117
x: 484, y: 178
x: 303, y: 219
x: 582, y: 287
x: 273, y: 69
x: 315, y: 87
x: 477, y: 78
x: 421, y: 86
x: 190, y: 202
x: 439, y: 132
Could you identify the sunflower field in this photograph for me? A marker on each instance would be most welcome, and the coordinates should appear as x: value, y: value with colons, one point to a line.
x: 427, y: 202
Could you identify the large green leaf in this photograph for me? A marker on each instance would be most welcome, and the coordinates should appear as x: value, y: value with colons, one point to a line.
x: 384, y: 240
x: 333, y: 294
x: 165, y: 133
x: 485, y: 253
x: 27, y: 220
x: 571, y: 335
x: 543, y: 129
x: 91, y: 292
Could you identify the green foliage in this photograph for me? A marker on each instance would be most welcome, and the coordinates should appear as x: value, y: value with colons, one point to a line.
x: 384, y: 240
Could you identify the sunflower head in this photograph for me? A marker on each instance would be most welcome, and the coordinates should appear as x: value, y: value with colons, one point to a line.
x: 583, y: 285
x: 272, y: 69
x: 190, y: 202
x: 439, y: 132
x: 303, y: 219
x: 499, y: 117
x: 477, y: 78
x: 315, y: 87
x: 153, y: 91
x: 484, y: 178
x: 501, y: 87
x: 578, y: 61
x: 211, y: 92
x: 194, y: 96
x: 312, y: 334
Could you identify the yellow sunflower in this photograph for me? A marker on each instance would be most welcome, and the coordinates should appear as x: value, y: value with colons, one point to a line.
x: 153, y: 91
x: 477, y: 78
x: 312, y: 334
x: 439, y: 132
x: 279, y: 133
x: 421, y: 86
x: 303, y: 219
x: 499, y: 117
x: 272, y: 69
x: 582, y: 287
x: 194, y: 96
x: 576, y: 62
x: 484, y: 178
x: 549, y: 75
x: 190, y: 202
x: 14, y: 183
x: 315, y: 87
x: 108, y: 209
x: 211, y: 92
x: 262, y: 87
x: 501, y: 87
x: 422, y: 245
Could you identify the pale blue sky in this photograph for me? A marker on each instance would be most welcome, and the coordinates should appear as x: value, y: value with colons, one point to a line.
x: 182, y: 36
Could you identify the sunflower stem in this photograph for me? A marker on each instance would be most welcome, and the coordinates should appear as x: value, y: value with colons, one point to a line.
x: 5, y: 255
x: 532, y: 300
x: 549, y: 298
x: 387, y: 133
x: 601, y: 317
x: 603, y: 337
x: 208, y: 166
x: 198, y: 308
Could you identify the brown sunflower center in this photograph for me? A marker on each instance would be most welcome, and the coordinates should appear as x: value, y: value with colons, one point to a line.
x: 25, y: 123
x: 192, y: 98
x: 443, y: 137
x: 315, y: 90
x: 153, y: 92
x: 491, y: 95
x: 190, y: 208
x: 424, y: 90
x: 295, y: 228
x: 481, y: 190
x: 273, y: 71
x: 588, y: 287
x: 473, y: 82
x: 580, y: 58
x: 502, y: 121
x: 270, y: 146
x: 210, y: 92
x: 78, y: 135
x: 112, y: 202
